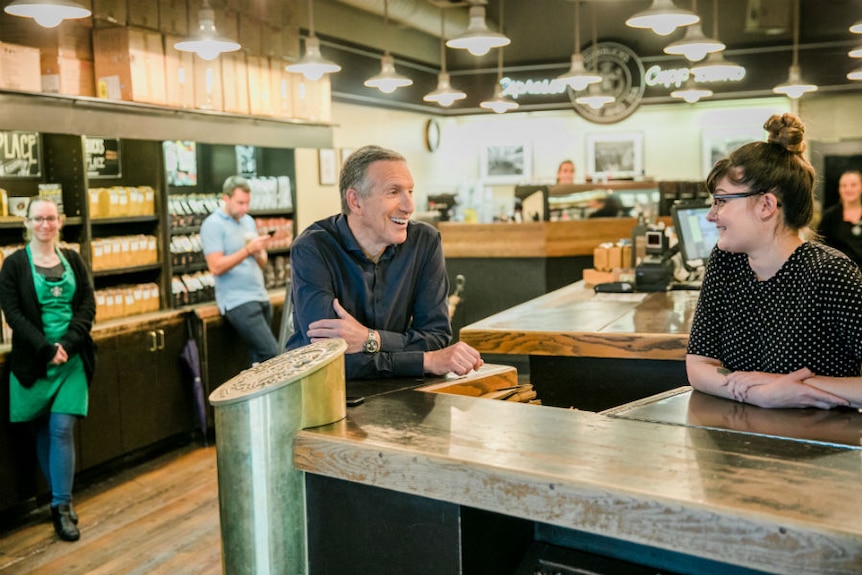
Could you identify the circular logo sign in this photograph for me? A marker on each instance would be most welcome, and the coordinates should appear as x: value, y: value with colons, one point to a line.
x: 622, y: 78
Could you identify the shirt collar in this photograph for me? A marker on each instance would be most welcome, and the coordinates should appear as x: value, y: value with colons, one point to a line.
x: 348, y: 240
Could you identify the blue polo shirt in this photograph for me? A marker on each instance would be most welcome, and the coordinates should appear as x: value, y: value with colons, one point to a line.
x: 244, y: 282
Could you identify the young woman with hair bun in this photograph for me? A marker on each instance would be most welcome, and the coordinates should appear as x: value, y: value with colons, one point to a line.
x: 779, y: 319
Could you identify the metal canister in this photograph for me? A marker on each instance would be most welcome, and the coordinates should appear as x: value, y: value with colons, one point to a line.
x: 261, y: 495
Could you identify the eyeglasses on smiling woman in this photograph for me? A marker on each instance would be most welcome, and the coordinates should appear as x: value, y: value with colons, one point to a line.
x: 44, y: 219
x: 719, y: 200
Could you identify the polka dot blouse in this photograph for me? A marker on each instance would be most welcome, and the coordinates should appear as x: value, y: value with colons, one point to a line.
x: 809, y: 314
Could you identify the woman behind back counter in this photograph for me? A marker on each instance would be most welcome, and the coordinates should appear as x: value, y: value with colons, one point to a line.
x: 841, y: 225
x: 779, y: 319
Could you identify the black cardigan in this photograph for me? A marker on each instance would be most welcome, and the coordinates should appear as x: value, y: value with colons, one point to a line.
x: 31, y: 352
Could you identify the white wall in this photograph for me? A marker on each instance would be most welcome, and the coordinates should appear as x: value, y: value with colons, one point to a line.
x: 672, y: 138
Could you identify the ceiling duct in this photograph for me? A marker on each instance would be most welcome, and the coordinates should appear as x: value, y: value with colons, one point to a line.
x: 422, y: 15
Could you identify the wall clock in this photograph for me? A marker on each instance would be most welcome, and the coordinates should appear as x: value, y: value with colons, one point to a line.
x: 432, y: 135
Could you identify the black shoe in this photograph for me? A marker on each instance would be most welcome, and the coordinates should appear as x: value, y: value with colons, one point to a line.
x: 72, y: 515
x: 63, y: 524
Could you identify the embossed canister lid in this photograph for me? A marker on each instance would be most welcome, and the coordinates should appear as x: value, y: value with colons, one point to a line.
x: 279, y: 371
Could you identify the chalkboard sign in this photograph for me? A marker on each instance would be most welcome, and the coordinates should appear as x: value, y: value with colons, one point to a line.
x: 103, y: 157
x: 20, y: 154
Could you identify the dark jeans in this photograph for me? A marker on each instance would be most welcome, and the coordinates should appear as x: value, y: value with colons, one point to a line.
x: 252, y: 320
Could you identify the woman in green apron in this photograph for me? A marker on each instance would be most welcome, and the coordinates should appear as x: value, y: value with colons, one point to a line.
x: 47, y: 297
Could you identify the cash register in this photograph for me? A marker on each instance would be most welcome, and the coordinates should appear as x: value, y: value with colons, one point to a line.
x: 696, y: 237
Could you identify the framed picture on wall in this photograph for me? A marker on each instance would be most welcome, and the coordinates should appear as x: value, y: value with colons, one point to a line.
x: 505, y: 164
x: 717, y: 143
x: 328, y: 167
x: 615, y: 155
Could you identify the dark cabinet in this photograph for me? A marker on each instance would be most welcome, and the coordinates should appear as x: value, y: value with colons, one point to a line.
x: 155, y: 402
x: 99, y: 437
x: 140, y: 394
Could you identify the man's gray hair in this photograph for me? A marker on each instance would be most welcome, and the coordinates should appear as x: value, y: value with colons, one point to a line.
x: 355, y: 171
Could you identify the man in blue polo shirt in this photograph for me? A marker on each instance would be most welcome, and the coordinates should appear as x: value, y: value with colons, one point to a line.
x: 236, y: 256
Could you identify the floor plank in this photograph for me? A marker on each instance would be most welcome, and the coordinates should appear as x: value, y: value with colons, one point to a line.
x: 159, y: 517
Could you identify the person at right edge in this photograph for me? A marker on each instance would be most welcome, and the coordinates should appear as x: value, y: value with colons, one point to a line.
x: 779, y: 319
x: 375, y: 278
x: 841, y: 224
x: 48, y: 299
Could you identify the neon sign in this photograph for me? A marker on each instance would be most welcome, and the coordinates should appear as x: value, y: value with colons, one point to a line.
x: 654, y: 76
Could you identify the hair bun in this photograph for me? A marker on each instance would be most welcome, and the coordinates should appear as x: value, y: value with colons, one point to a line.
x: 787, y: 131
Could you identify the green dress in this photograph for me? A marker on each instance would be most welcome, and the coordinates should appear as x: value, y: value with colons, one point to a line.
x: 64, y: 389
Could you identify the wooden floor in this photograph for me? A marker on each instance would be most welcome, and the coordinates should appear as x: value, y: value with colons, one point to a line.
x: 160, y: 517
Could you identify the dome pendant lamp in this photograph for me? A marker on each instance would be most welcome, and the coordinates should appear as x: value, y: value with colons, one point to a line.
x: 595, y: 97
x: 795, y: 86
x: 445, y: 94
x: 577, y: 77
x: 312, y: 65
x: 694, y: 45
x: 715, y: 68
x: 478, y: 39
x: 207, y: 43
x: 47, y: 13
x: 663, y: 17
x: 388, y: 80
x: 499, y: 103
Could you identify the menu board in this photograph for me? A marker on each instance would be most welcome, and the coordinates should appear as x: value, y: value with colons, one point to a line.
x: 20, y: 154
x: 180, y: 163
x: 102, y: 157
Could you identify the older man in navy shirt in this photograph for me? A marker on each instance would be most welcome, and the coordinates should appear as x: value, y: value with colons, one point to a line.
x: 376, y: 279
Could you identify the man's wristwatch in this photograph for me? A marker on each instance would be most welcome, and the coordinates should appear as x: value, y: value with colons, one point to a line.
x: 371, y: 345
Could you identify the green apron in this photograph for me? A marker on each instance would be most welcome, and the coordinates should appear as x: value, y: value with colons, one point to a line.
x: 64, y: 389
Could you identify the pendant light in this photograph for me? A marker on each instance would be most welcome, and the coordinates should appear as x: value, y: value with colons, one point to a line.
x: 312, y: 65
x: 715, y: 68
x: 577, y: 77
x: 498, y: 103
x: 663, y: 17
x: 478, y: 39
x: 207, y: 43
x: 595, y: 98
x: 388, y: 80
x: 445, y: 94
x: 795, y: 86
x: 691, y: 92
x: 694, y: 45
x: 856, y: 53
x: 47, y: 13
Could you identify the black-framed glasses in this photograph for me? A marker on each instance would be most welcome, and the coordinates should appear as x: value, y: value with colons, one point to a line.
x: 718, y: 201
x: 44, y: 219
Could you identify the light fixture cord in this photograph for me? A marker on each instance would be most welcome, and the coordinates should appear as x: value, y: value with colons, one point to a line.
x: 796, y: 32
x: 386, y: 25
x: 577, y: 27
x: 311, y: 18
x: 500, y: 49
x: 443, y: 40
x: 715, y: 19
x: 595, y: 41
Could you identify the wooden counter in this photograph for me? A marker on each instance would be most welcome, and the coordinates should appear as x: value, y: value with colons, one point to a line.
x: 575, y: 321
x: 508, y: 264
x: 532, y: 239
x: 593, y: 351
x: 684, y: 499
